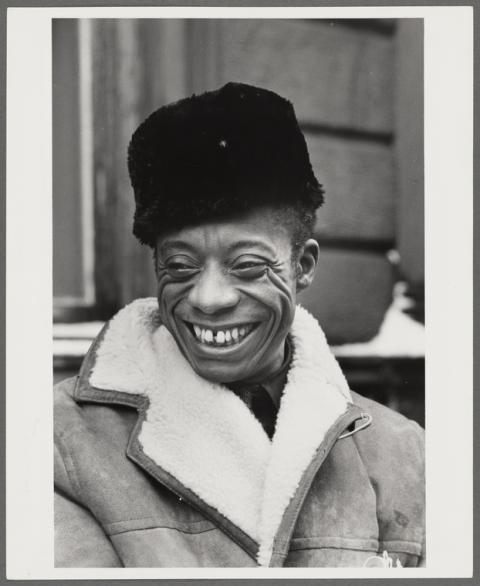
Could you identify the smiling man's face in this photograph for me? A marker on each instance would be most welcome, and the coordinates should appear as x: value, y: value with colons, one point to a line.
x: 227, y: 293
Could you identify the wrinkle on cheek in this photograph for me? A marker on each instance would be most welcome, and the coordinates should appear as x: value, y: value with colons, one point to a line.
x: 162, y: 283
x: 279, y: 267
x: 162, y: 280
x: 280, y: 283
x: 177, y: 291
x: 262, y: 290
x: 273, y: 293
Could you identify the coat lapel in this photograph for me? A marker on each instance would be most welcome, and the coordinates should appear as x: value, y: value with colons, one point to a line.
x: 315, y: 397
x: 199, y: 438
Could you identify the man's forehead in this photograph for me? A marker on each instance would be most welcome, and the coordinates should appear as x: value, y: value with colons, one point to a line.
x: 259, y: 233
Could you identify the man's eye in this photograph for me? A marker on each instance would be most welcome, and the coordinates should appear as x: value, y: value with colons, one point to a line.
x: 180, y: 270
x: 249, y: 269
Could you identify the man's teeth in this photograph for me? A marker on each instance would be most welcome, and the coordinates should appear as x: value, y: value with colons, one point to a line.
x: 222, y: 337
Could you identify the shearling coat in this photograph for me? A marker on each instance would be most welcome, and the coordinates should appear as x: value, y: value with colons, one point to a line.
x: 155, y: 466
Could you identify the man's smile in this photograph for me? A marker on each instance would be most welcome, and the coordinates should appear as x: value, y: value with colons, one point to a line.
x: 221, y: 336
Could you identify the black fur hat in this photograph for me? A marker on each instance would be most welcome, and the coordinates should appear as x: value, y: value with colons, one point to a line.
x: 217, y: 153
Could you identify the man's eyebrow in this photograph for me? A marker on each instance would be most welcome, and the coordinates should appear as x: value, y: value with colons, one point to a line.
x: 251, y: 244
x: 168, y: 244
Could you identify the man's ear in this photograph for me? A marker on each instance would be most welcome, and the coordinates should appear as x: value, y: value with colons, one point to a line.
x: 307, y: 263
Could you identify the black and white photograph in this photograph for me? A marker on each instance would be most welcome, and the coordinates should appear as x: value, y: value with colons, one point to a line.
x: 239, y: 315
x: 256, y: 161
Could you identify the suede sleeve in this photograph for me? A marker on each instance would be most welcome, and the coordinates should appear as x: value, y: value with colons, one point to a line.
x: 79, y: 539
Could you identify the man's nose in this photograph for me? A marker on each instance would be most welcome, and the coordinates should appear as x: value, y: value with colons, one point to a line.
x: 213, y: 291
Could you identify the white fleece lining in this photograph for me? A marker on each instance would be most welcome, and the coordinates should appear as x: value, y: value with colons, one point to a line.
x: 206, y: 437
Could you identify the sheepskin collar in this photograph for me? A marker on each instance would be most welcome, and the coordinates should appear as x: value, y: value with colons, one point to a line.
x: 204, y: 436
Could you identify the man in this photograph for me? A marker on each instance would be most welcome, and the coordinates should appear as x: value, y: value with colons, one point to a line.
x: 212, y: 426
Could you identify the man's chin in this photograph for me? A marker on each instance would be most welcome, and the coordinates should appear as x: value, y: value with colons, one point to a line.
x: 220, y: 373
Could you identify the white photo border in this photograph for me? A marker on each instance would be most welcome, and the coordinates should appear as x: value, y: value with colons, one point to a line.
x: 449, y: 291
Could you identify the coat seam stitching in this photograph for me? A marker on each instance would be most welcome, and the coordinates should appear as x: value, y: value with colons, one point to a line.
x: 70, y: 470
x: 185, y: 532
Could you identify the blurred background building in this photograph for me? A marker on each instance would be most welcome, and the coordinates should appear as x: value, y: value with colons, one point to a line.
x: 357, y: 88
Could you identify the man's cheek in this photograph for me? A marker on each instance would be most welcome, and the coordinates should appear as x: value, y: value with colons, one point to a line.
x: 284, y: 300
x: 170, y: 293
x: 280, y: 288
x: 280, y: 277
x: 273, y: 293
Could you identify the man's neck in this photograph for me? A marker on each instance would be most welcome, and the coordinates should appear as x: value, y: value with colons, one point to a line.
x: 274, y: 383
